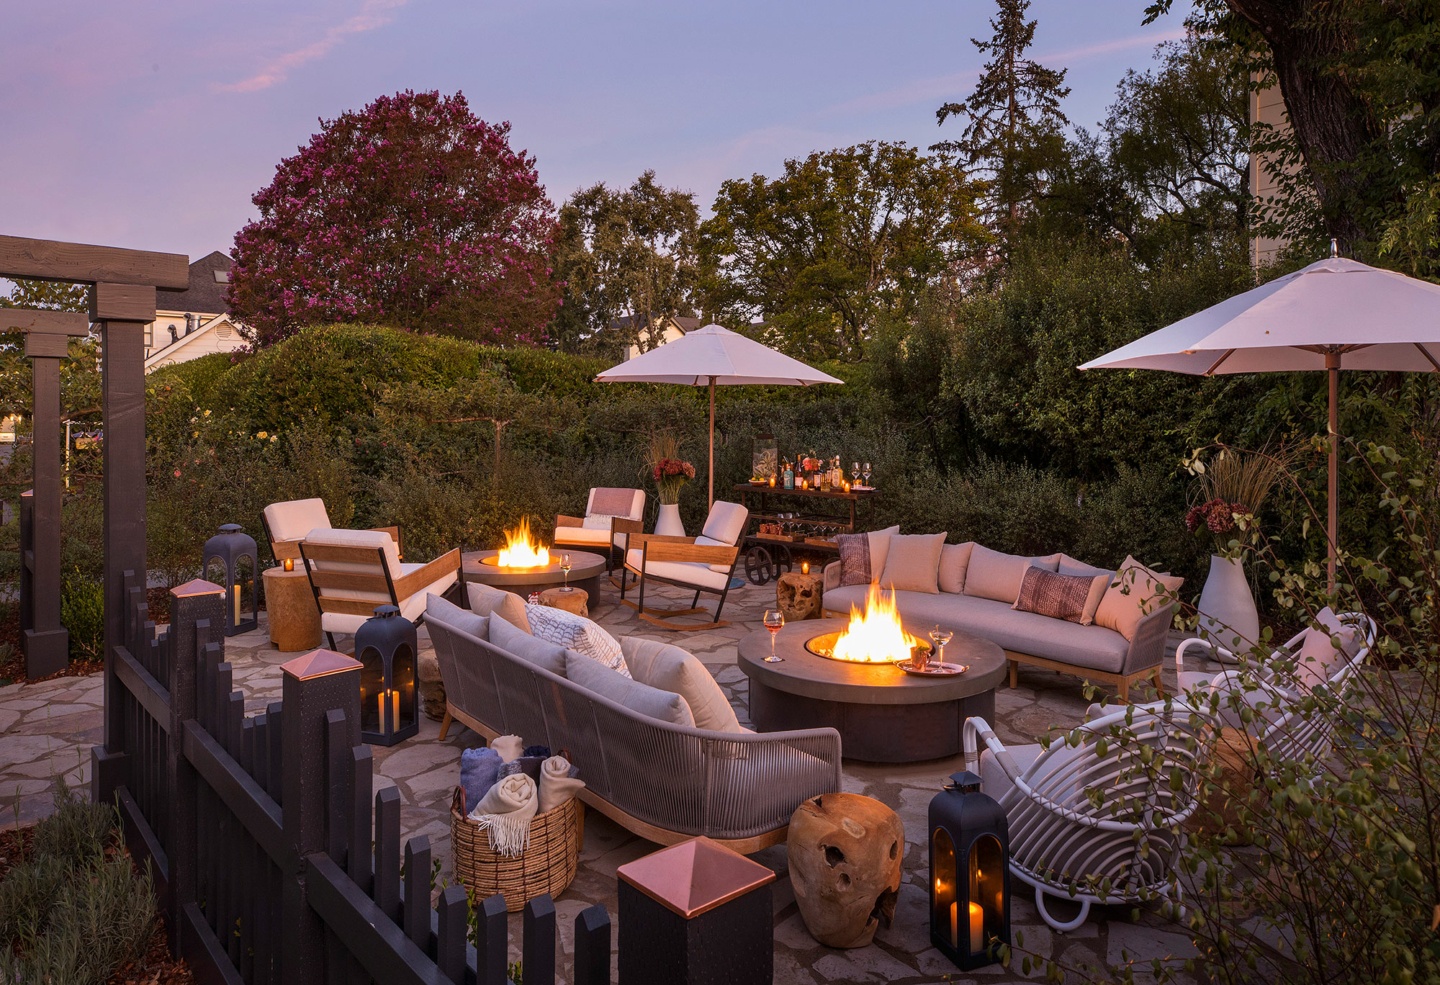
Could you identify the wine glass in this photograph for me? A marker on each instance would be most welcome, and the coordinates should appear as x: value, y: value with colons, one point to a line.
x: 940, y: 636
x: 774, y: 619
x: 866, y: 469
x: 855, y: 472
x: 565, y: 567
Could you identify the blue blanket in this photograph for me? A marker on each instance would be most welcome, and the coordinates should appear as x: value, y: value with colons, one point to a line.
x: 479, y: 771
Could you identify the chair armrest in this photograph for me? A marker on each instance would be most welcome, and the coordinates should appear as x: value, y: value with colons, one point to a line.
x: 408, y: 585
x: 1147, y: 647
x: 976, y: 731
x: 283, y: 549
x: 690, y: 553
x: 832, y: 575
x: 624, y: 525
x: 639, y: 540
x: 568, y: 521
x: 1195, y: 642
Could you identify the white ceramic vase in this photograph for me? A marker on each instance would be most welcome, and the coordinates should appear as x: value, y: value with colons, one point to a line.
x: 1227, y: 609
x: 668, y: 523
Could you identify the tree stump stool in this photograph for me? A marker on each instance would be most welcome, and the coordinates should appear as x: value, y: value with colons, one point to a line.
x: 845, y: 853
x: 576, y: 600
x: 799, y: 596
x: 290, y: 610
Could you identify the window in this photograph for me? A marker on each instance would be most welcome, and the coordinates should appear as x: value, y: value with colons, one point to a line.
x: 222, y: 276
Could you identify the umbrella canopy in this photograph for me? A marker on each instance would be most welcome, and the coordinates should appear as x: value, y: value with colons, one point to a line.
x: 1333, y: 314
x: 713, y: 356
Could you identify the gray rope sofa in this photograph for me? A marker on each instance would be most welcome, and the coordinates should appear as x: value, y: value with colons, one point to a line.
x: 664, y: 782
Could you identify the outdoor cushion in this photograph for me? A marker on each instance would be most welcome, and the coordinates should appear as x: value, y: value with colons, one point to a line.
x: 670, y: 668
x: 485, y: 600
x: 613, y: 501
x: 912, y: 562
x: 994, y: 781
x: 373, y: 539
x: 1133, y: 596
x: 954, y: 559
x: 587, y: 536
x: 1070, y: 566
x: 725, y: 523
x: 652, y: 702
x: 1324, y: 649
x: 294, y: 519
x: 863, y: 556
x: 1055, y: 595
x: 574, y: 632
x: 597, y: 521
x: 703, y: 541
x: 689, y: 572
x: 517, y: 642
x: 443, y: 610
x: 412, y: 608
x: 880, y: 549
x: 996, y: 576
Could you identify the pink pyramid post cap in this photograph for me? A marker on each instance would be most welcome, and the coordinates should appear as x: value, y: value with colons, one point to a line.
x: 319, y: 663
x: 196, y: 587
x: 695, y: 876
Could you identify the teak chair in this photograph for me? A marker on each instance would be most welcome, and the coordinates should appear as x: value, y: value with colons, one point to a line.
x: 287, y: 524
x: 354, y: 571
x: 705, y: 563
x: 600, y: 528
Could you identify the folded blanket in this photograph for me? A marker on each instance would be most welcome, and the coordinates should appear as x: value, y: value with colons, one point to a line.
x: 612, y: 501
x: 542, y: 751
x: 558, y: 782
x: 479, y: 769
x: 509, y: 747
x: 506, y: 811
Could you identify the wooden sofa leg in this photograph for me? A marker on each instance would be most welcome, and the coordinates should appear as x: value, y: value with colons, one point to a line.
x: 445, y: 724
x: 1159, y: 684
x: 1014, y: 673
x: 1124, y: 689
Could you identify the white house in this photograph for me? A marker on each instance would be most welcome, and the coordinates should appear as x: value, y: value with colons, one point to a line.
x: 671, y: 328
x: 196, y: 321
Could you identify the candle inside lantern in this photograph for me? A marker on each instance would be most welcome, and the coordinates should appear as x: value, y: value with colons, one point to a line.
x: 289, y: 564
x: 235, y: 598
x: 804, y: 567
x: 395, y: 708
x: 954, y: 925
x: 380, y: 710
x: 772, y: 482
x: 977, y: 927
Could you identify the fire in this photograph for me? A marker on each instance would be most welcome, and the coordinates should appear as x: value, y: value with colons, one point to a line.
x: 874, y: 636
x: 521, y: 550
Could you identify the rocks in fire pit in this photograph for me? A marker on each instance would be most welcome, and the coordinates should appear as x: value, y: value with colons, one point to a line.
x: 845, y: 853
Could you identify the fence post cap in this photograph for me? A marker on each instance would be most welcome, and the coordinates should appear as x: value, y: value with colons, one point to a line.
x: 197, y: 586
x: 695, y: 876
x: 319, y: 663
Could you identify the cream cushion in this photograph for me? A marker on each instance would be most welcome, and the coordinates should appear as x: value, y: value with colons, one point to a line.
x: 954, y: 560
x: 912, y: 562
x: 574, y: 632
x: 670, y: 668
x: 686, y: 572
x: 486, y: 600
x: 597, y: 521
x: 993, y: 575
x: 532, y: 649
x: 1133, y: 595
x: 724, y: 525
x: 294, y: 519
x: 652, y: 702
x: 880, y: 549
x: 373, y: 539
x: 583, y: 536
x: 1324, y: 649
x: 443, y: 610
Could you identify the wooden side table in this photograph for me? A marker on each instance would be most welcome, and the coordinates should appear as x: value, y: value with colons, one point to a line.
x: 800, y: 596
x: 576, y: 600
x: 290, y: 609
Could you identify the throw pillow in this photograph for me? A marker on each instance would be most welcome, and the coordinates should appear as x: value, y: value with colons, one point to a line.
x: 597, y: 521
x: 880, y: 548
x: 443, y: 610
x: 517, y: 642
x: 670, y: 668
x: 954, y: 559
x: 651, y: 702
x: 576, y: 633
x: 996, y: 576
x: 1058, y: 596
x: 1324, y: 650
x: 1133, y: 596
x: 912, y: 563
x: 854, y: 558
x: 485, y: 600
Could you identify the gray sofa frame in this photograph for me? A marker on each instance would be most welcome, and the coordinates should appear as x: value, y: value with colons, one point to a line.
x: 661, y: 781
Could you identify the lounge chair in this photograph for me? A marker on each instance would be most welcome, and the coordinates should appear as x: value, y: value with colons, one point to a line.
x: 705, y: 563
x: 611, y: 514
x: 287, y: 524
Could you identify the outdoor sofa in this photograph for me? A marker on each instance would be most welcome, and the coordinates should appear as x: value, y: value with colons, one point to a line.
x: 662, y: 781
x: 968, y: 588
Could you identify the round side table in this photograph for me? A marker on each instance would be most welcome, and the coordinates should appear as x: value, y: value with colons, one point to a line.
x: 290, y: 608
x: 576, y: 600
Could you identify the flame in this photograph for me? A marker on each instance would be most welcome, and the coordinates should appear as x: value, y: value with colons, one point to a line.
x: 874, y: 636
x: 521, y: 550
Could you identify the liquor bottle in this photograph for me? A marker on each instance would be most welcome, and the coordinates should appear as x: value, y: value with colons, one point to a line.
x: 789, y: 475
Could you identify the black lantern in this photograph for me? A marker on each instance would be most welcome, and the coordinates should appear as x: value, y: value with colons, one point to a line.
x: 969, y: 873
x: 234, y: 550
x: 386, y: 647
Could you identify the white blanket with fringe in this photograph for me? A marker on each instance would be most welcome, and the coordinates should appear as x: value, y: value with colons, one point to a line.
x: 505, y: 813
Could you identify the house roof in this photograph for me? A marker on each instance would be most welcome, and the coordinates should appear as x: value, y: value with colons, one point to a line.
x: 683, y: 322
x: 209, y: 280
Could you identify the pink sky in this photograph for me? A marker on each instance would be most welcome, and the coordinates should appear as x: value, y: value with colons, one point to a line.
x: 150, y: 124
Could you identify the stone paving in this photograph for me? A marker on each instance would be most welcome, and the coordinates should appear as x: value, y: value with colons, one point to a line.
x: 46, y: 730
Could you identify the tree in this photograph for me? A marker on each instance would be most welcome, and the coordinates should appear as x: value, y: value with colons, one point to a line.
x: 625, y: 253
x: 1013, y: 119
x: 843, y: 236
x: 412, y: 212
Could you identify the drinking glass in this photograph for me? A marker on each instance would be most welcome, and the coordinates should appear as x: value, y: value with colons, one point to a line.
x: 855, y: 472
x: 565, y: 567
x: 774, y: 619
x: 940, y: 636
x: 866, y: 469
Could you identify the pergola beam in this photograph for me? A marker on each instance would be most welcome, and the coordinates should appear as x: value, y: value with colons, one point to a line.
x: 28, y: 320
x: 44, y: 259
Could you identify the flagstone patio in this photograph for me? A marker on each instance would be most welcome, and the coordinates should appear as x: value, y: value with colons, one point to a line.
x: 48, y: 729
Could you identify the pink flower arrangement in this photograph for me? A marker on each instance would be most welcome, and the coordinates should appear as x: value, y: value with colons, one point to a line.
x: 1215, y: 515
x: 670, y: 474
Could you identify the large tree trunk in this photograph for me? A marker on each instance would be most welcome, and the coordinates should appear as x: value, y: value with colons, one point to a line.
x: 1333, y: 124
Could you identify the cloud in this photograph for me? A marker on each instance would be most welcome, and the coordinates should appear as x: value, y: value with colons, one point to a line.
x: 374, y: 14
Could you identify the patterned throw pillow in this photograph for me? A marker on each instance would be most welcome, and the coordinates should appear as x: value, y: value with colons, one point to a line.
x: 1049, y: 594
x: 854, y: 558
x: 576, y: 633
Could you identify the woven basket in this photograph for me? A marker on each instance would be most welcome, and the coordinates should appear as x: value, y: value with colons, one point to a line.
x: 546, y: 866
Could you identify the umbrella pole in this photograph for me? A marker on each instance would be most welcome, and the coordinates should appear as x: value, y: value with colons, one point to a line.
x: 711, y: 470
x: 1332, y: 367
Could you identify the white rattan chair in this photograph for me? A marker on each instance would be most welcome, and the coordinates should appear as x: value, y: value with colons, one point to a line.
x: 1097, y: 816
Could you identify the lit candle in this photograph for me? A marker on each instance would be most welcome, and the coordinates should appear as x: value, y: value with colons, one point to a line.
x: 772, y: 482
x: 380, y: 710
x: 289, y: 564
x: 804, y: 567
x: 395, y: 708
x: 235, y: 597
x: 977, y: 928
x: 954, y: 925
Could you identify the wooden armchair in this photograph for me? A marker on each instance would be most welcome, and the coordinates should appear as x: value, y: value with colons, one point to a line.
x: 611, y: 516
x: 353, y: 571
x: 705, y: 563
x: 288, y: 523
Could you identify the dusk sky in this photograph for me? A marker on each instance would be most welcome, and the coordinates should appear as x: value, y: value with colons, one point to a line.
x: 150, y: 124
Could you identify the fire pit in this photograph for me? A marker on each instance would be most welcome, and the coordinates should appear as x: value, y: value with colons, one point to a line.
x: 524, y: 565
x: 874, y: 636
x: 522, y: 551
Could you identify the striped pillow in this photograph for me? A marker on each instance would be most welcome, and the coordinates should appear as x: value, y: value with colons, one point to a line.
x: 1057, y: 596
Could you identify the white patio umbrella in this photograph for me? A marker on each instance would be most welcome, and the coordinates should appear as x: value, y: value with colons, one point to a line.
x: 714, y: 356
x: 1333, y: 314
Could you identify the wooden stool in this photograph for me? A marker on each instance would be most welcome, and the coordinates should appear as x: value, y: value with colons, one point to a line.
x: 577, y: 600
x: 290, y: 609
x: 845, y: 852
x: 800, y: 596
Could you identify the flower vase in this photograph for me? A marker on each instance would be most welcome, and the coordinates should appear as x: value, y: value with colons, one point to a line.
x: 669, y: 523
x: 1227, y: 609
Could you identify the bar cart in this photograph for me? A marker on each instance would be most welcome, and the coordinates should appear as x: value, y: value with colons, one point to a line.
x: 808, y: 520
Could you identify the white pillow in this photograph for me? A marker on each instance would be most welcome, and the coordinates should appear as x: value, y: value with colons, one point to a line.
x: 912, y: 562
x: 597, y: 521
x: 576, y: 633
x: 880, y: 549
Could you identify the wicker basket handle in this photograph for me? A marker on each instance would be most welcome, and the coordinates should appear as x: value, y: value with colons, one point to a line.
x: 457, y: 801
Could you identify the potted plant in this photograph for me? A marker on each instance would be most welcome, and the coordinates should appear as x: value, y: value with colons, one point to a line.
x: 670, y: 473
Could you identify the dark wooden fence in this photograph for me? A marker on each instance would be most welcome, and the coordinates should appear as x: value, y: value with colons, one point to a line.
x: 259, y: 828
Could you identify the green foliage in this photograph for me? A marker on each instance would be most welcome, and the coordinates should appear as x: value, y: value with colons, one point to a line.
x: 82, y: 613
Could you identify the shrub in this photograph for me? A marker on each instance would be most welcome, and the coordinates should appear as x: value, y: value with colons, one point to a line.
x: 82, y: 613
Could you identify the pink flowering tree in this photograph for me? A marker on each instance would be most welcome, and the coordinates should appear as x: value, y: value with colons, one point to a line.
x: 411, y: 213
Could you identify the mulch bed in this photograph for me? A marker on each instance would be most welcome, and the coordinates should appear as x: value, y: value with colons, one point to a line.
x: 12, y: 670
x: 154, y: 967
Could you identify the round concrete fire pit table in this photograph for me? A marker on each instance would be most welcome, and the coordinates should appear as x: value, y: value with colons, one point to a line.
x: 585, y: 572
x: 883, y: 714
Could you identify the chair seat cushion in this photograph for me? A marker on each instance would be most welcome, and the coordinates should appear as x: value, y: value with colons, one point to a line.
x: 584, y: 536
x: 652, y: 702
x: 685, y: 572
x: 573, y: 632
